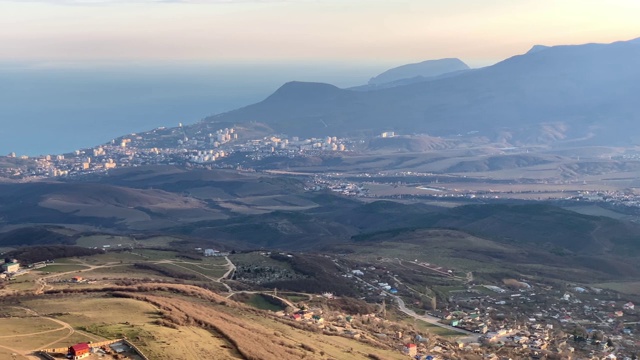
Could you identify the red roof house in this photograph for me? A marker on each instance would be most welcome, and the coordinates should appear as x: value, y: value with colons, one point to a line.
x: 410, y: 349
x: 79, y: 351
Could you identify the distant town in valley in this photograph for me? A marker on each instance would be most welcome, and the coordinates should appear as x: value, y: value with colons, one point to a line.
x: 235, y: 148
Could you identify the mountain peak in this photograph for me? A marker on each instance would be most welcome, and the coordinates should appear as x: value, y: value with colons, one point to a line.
x: 301, y: 89
x: 425, y: 69
x: 537, y: 48
x: 559, y: 94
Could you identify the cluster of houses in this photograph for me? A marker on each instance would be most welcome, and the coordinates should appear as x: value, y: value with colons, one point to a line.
x: 527, y: 318
x: 574, y: 321
x: 313, y: 316
x: 373, y: 327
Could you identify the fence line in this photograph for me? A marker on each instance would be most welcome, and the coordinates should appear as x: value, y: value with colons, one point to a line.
x: 136, y: 349
x: 63, y: 350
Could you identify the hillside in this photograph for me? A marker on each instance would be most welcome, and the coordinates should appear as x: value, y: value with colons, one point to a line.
x: 148, y: 198
x: 579, y: 93
x: 532, y: 225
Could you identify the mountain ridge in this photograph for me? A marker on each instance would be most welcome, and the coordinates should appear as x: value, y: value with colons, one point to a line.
x: 428, y: 68
x: 575, y: 87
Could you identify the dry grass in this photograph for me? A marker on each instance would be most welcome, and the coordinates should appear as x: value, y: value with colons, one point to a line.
x: 175, y: 321
x: 35, y: 342
x: 9, y: 327
x: 113, y: 317
x: 6, y: 354
x: 75, y: 338
x: 252, y: 332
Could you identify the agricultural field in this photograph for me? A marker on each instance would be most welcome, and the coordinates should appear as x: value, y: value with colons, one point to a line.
x: 256, y: 259
x: 122, y: 271
x: 214, y: 271
x: 61, y: 268
x: 294, y: 298
x: 629, y: 287
x: 258, y: 301
x: 100, y: 241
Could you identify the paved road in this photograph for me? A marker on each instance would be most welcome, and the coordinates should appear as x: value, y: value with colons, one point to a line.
x: 468, y: 336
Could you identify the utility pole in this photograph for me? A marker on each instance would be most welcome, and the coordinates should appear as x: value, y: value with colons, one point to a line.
x: 384, y: 308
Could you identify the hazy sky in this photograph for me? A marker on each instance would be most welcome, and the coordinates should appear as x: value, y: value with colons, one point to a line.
x: 391, y: 31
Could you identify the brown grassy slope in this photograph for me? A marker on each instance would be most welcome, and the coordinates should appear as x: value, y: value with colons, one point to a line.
x: 251, y: 340
x: 254, y: 334
x: 249, y: 333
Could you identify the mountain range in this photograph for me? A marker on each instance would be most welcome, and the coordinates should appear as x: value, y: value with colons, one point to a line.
x: 425, y: 69
x: 414, y: 73
x: 550, y: 95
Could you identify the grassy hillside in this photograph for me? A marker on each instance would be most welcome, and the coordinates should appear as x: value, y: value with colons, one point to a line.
x: 149, y: 198
x: 546, y: 226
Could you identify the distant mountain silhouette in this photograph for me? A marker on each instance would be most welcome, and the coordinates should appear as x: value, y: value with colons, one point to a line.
x: 537, y: 48
x: 563, y: 93
x: 407, y: 81
x: 424, y: 69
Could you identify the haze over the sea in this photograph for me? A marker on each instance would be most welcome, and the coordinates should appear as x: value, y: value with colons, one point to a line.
x: 57, y: 109
x: 54, y: 108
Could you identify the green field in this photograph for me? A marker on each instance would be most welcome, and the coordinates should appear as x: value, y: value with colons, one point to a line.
x: 152, y: 254
x: 254, y: 258
x: 294, y: 298
x: 60, y: 268
x: 628, y: 287
x: 261, y: 302
x: 214, y: 272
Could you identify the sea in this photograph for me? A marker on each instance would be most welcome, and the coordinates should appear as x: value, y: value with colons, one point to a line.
x: 59, y: 108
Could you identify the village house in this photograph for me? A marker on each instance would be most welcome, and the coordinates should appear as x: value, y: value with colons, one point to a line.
x: 11, y: 266
x: 79, y: 351
x: 410, y: 349
x: 211, y: 252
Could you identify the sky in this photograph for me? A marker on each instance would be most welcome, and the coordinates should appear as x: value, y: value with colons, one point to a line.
x: 342, y: 31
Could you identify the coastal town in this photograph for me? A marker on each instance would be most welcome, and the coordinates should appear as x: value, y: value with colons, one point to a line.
x: 202, y: 150
x: 243, y: 150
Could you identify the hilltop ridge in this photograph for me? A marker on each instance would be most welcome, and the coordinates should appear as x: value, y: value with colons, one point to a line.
x: 428, y: 68
x: 584, y: 92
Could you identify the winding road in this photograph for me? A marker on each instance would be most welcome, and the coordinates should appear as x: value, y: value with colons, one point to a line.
x: 30, y: 353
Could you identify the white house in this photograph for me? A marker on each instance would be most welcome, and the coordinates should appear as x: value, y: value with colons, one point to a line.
x: 210, y: 252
